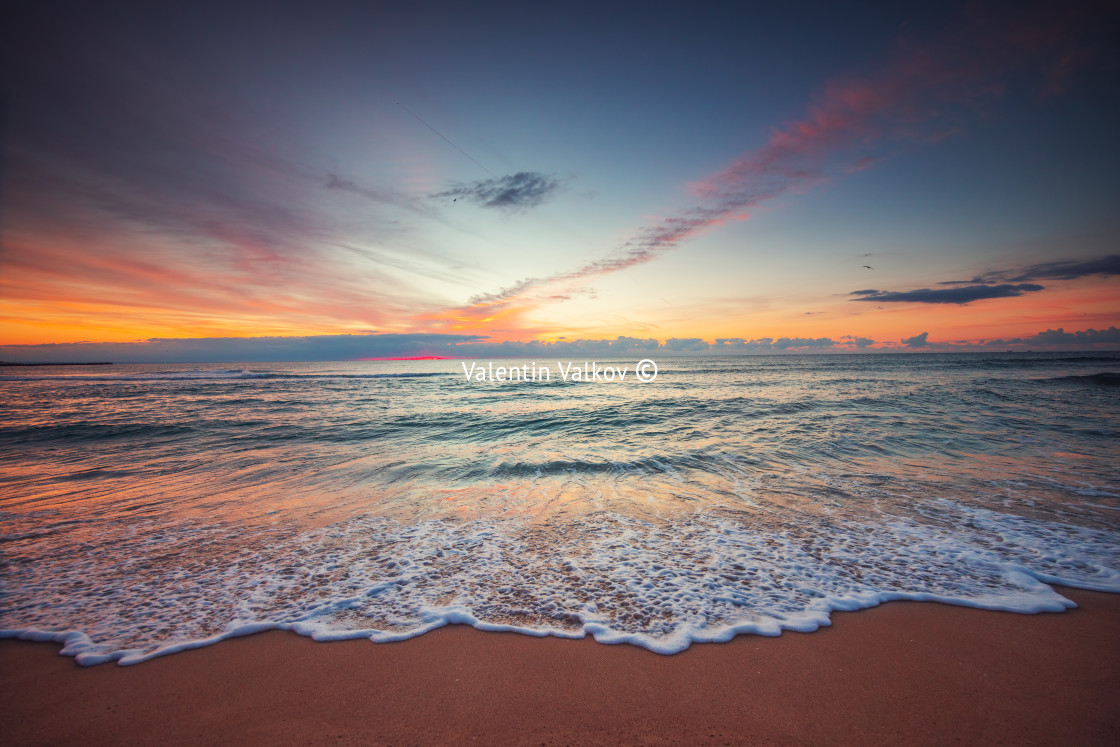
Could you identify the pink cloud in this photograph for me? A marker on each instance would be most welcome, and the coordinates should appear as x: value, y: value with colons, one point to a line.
x: 926, y: 92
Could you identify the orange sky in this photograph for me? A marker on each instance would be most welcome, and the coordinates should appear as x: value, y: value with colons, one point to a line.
x: 948, y: 181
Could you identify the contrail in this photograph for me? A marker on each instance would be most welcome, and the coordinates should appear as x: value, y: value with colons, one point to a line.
x: 453, y: 145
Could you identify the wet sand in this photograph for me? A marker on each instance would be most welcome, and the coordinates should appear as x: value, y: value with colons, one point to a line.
x: 905, y: 672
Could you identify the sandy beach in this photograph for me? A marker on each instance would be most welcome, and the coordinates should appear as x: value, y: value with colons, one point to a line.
x: 353, y: 354
x: 905, y: 672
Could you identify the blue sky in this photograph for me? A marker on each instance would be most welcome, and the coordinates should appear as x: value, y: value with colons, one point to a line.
x: 665, y: 171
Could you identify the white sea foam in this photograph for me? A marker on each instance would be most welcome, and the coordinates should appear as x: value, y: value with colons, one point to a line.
x: 662, y: 585
x: 186, y: 504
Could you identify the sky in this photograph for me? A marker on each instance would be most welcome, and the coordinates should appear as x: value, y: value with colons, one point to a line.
x: 345, y: 180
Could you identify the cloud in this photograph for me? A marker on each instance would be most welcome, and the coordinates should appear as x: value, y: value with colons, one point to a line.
x: 1085, y: 337
x: 514, y: 192
x: 740, y: 345
x: 802, y: 343
x: 917, y: 341
x: 1104, y: 266
x: 687, y: 345
x: 926, y: 91
x: 371, y: 193
x: 241, y: 350
x: 381, y: 195
x: 505, y: 293
x: 1059, y: 338
x: 961, y: 296
x: 245, y: 349
x: 1007, y: 283
x: 862, y: 163
x: 1070, y: 270
x: 623, y: 344
x: 140, y: 197
x: 769, y: 344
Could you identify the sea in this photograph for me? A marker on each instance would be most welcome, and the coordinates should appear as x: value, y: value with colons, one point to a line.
x: 148, y: 509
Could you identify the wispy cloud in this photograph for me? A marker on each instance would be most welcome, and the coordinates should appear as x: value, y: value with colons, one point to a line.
x: 486, y: 299
x: 962, y: 296
x: 138, y: 200
x: 1071, y: 269
x: 380, y: 195
x: 1064, y: 270
x: 927, y: 91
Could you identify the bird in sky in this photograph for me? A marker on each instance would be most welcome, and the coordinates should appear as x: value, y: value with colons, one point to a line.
x: 869, y: 267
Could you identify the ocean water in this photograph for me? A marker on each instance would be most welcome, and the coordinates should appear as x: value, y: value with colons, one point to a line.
x: 148, y: 509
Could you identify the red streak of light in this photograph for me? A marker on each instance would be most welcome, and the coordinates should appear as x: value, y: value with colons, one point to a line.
x: 413, y: 358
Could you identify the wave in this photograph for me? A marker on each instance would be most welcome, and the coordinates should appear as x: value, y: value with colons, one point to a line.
x: 660, y: 585
x: 1105, y: 378
x: 225, y: 499
x: 94, y: 432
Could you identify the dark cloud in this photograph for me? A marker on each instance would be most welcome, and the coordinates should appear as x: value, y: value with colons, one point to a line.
x: 244, y: 349
x: 740, y: 345
x: 518, y: 191
x: 624, y: 344
x: 1060, y: 338
x: 240, y: 350
x: 319, y: 348
x: 868, y: 292
x: 1060, y: 270
x: 1085, y: 337
x: 1070, y: 270
x: 802, y: 343
x: 925, y: 93
x: 687, y: 345
x: 964, y: 295
x: 769, y: 344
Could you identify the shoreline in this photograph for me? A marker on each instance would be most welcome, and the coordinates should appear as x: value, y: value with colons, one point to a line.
x: 917, y: 672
